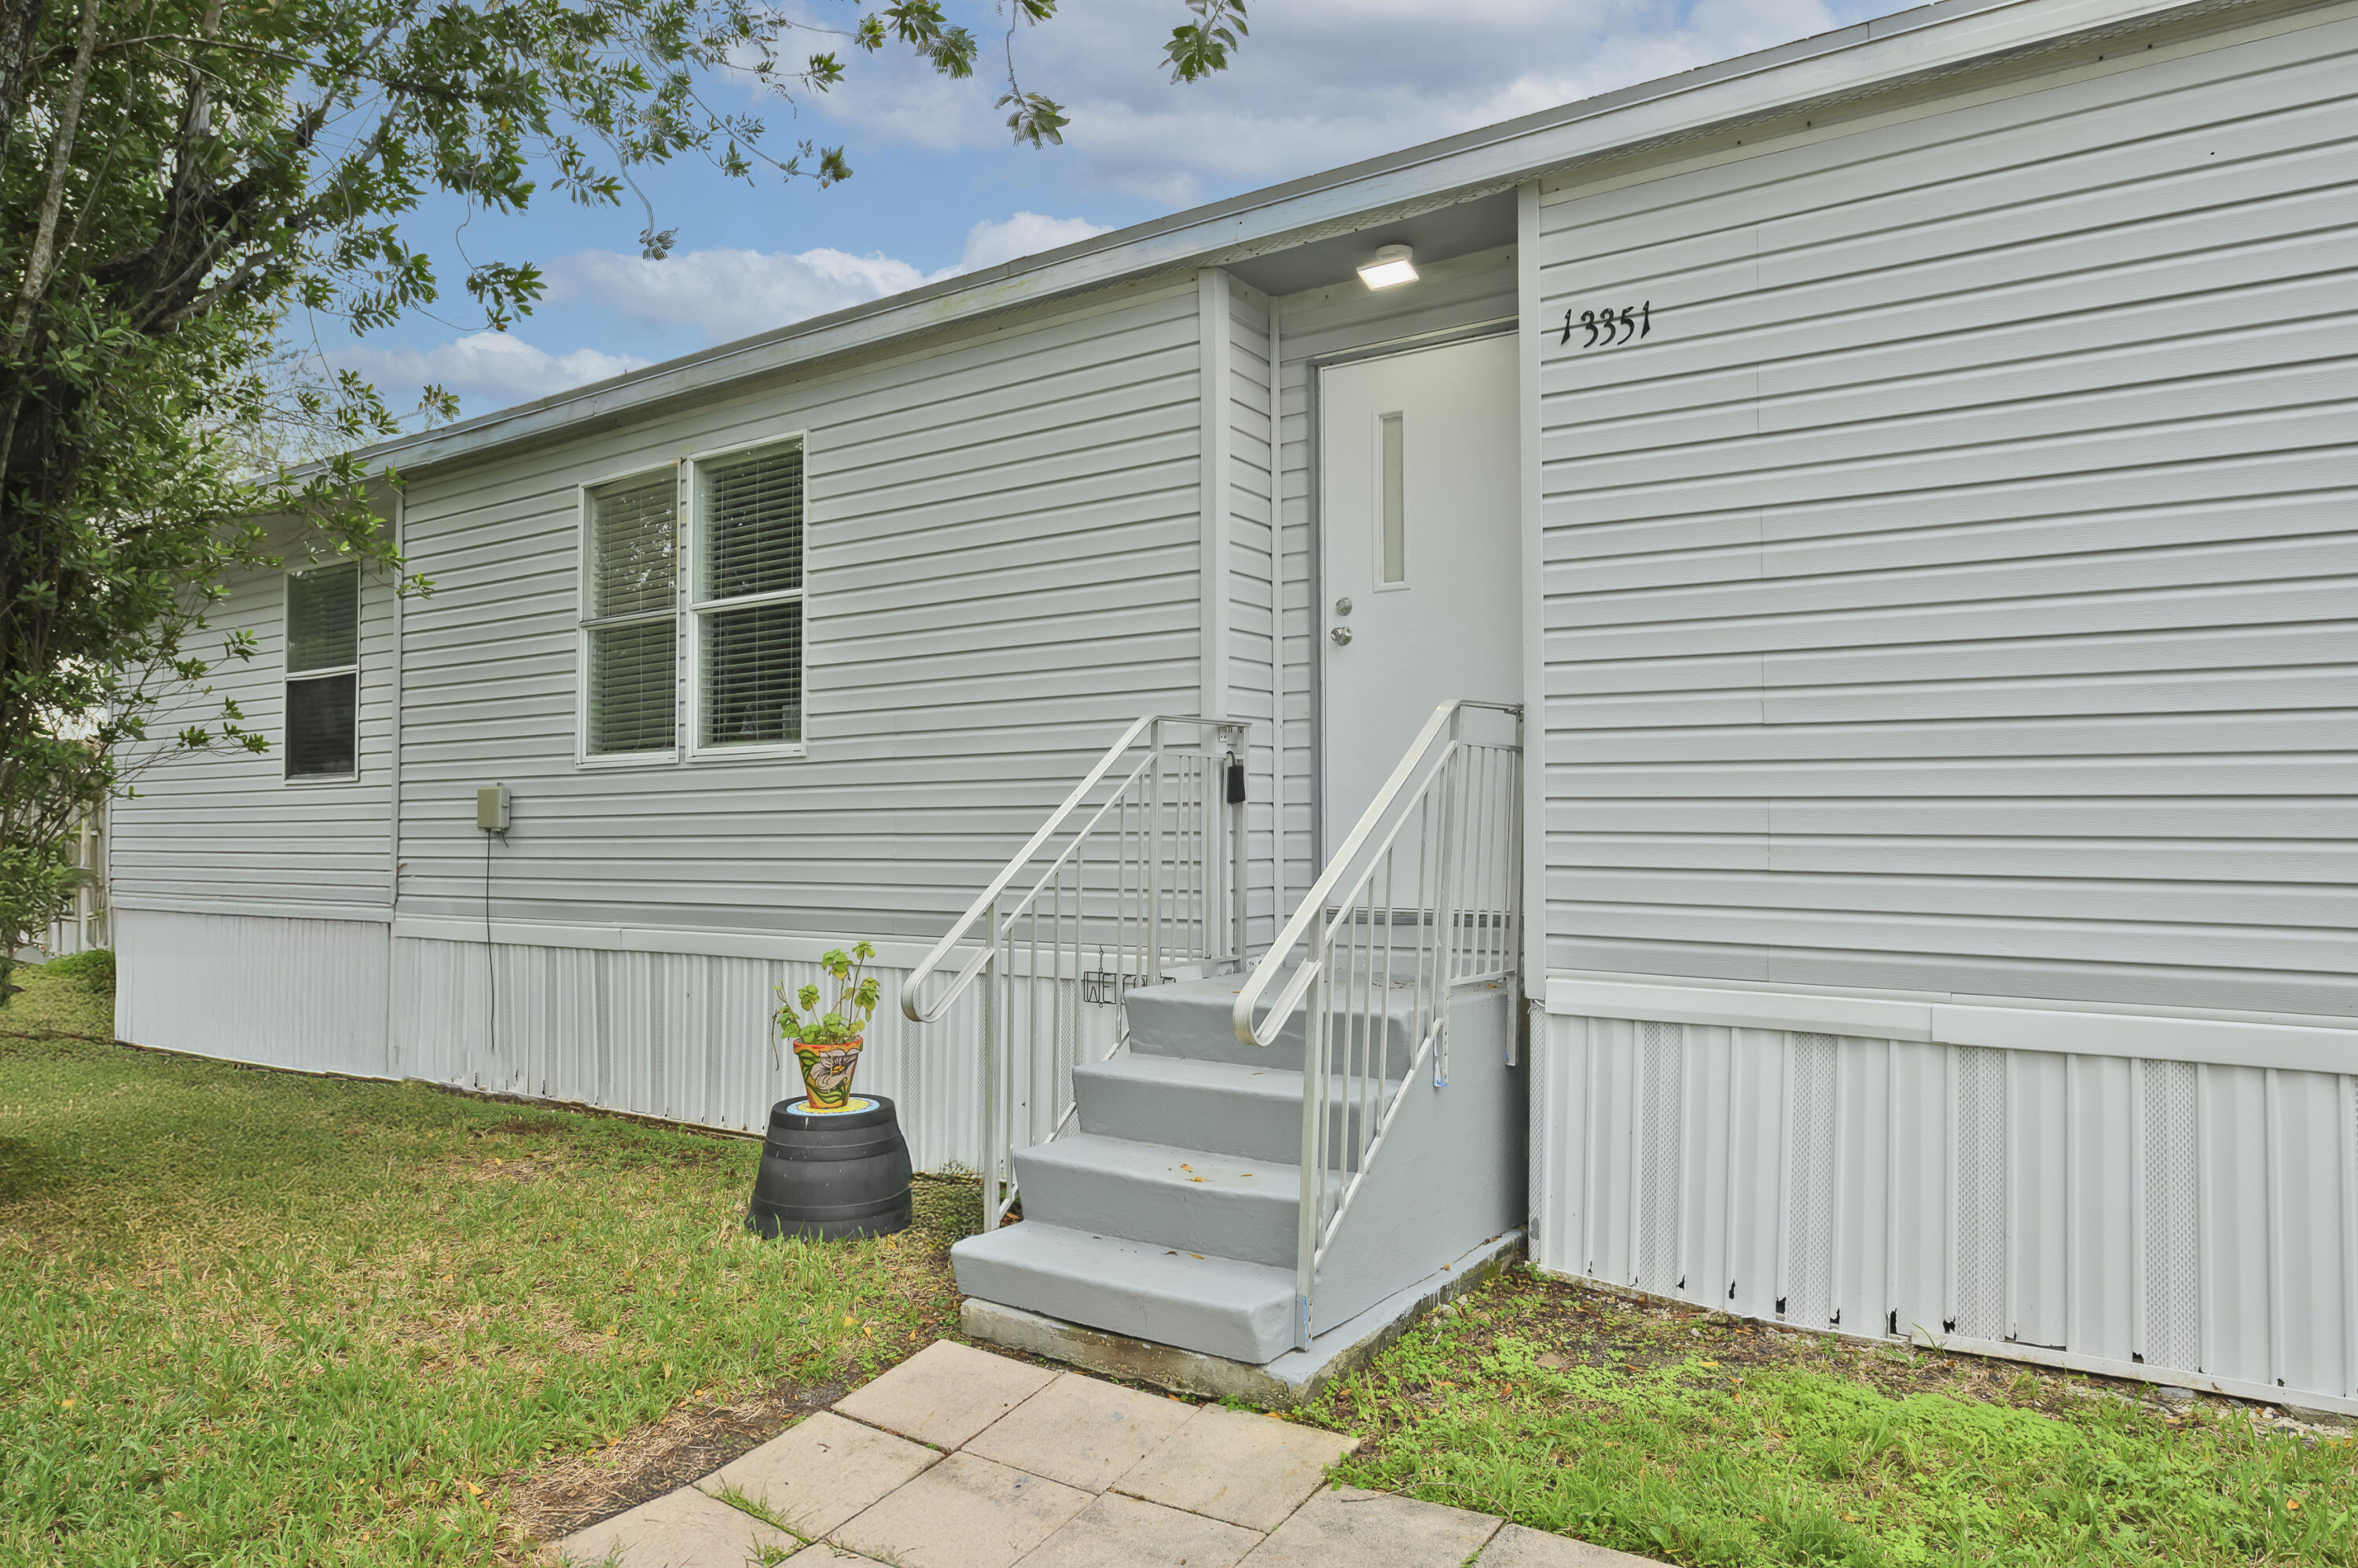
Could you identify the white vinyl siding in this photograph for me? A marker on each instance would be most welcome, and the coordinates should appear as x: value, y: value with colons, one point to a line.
x: 1000, y: 549
x: 222, y: 828
x: 1248, y: 623
x: 1952, y: 593
x: 631, y: 609
x: 320, y: 741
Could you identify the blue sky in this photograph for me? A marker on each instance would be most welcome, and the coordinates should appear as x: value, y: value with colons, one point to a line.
x: 937, y: 188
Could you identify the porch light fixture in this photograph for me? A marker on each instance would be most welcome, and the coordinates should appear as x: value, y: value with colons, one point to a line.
x: 1391, y: 267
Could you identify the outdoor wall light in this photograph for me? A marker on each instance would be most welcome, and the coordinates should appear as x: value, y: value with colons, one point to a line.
x: 1391, y: 267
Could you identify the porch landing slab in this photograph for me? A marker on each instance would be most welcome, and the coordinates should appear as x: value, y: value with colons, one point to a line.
x: 1278, y: 1384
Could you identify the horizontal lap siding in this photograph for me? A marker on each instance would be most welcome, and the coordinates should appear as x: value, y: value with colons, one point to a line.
x: 1954, y: 591
x: 1002, y: 564
x: 221, y: 827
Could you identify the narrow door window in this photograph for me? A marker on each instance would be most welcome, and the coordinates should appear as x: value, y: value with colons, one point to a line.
x: 323, y: 655
x: 631, y: 628
x: 749, y: 598
x: 1394, y: 486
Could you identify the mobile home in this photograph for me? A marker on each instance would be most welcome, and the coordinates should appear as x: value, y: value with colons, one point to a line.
x: 1777, y: 716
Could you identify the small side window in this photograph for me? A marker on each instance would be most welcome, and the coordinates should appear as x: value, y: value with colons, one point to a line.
x: 323, y: 653
x: 629, y: 626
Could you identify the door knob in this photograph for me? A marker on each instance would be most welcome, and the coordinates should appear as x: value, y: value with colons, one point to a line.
x: 1341, y: 634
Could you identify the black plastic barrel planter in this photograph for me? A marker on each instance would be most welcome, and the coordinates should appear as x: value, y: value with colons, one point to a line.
x: 829, y: 1175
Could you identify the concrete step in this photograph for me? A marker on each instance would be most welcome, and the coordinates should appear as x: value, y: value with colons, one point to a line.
x: 1192, y: 1200
x: 1195, y: 1019
x: 1250, y: 1112
x: 1215, y: 1305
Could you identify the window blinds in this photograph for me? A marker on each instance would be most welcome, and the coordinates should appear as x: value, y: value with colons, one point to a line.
x: 631, y: 701
x: 631, y: 570
x: 632, y: 687
x: 323, y: 634
x: 753, y: 674
x: 750, y: 620
x: 323, y: 618
x: 754, y: 523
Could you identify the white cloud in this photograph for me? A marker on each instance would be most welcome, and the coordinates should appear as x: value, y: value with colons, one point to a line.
x: 724, y: 294
x: 1319, y: 82
x: 487, y: 370
x: 1026, y: 233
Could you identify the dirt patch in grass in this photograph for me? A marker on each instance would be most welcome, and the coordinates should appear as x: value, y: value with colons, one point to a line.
x: 575, y: 1492
x: 702, y: 1433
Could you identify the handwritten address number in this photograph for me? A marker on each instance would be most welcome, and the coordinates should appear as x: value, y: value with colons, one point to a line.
x: 1607, y: 327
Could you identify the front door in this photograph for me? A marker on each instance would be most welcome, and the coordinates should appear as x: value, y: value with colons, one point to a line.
x: 1421, y: 566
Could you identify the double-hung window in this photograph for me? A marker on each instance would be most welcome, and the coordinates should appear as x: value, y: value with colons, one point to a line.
x: 629, y: 626
x: 747, y: 606
x: 323, y: 672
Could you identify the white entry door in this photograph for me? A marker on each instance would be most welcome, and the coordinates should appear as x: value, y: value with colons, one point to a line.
x: 1422, y: 564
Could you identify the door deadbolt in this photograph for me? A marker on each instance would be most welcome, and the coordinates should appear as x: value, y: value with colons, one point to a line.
x: 1341, y: 634
x: 1342, y: 607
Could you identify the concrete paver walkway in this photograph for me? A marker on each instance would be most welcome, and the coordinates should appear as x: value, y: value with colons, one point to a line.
x: 959, y: 1458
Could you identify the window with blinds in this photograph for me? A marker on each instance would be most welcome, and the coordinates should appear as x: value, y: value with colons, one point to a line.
x: 323, y: 656
x: 630, y: 623
x: 749, y: 601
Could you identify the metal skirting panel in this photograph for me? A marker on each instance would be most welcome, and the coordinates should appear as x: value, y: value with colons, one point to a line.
x: 281, y: 993
x: 684, y: 1037
x: 2187, y: 1221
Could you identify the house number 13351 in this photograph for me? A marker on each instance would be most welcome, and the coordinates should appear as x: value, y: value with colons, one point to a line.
x: 1607, y: 327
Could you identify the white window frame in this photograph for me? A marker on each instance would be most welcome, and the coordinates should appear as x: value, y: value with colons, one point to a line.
x: 585, y: 622
x: 288, y: 675
x: 695, y: 608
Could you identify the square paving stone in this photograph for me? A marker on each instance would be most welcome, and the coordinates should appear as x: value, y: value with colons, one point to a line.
x: 825, y: 1555
x: 1250, y: 1470
x: 1117, y: 1530
x: 1351, y: 1529
x: 946, y: 1394
x: 965, y: 1512
x: 822, y: 1471
x: 1082, y: 1432
x: 679, y: 1529
x: 1515, y: 1547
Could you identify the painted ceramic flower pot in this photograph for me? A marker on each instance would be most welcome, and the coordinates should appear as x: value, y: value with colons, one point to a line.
x: 827, y: 1073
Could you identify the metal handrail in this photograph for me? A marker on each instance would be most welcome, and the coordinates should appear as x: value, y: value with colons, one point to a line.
x: 1314, y: 903
x: 1463, y: 916
x: 910, y: 1009
x: 1156, y: 871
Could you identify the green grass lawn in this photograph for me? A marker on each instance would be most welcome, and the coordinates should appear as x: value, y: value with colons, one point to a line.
x: 255, y: 1317
x: 1689, y: 1436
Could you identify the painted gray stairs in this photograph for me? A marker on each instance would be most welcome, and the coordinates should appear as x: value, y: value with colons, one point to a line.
x: 1167, y: 1211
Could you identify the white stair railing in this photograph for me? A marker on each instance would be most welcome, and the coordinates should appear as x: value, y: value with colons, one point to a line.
x: 1423, y: 896
x: 1138, y: 876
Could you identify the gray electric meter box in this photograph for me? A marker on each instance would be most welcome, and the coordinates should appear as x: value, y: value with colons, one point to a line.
x: 492, y: 808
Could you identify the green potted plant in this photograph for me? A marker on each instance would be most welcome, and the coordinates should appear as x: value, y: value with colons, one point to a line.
x: 827, y: 1045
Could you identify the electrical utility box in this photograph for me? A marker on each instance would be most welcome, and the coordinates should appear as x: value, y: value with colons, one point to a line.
x: 492, y: 808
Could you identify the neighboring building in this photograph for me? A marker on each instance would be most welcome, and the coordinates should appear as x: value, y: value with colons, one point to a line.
x: 1930, y: 593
